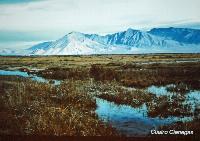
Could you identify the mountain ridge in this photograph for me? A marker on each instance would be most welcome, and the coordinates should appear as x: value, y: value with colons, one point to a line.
x: 157, y: 40
x: 183, y: 35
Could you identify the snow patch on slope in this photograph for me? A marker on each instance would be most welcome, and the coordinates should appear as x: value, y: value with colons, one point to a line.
x: 126, y: 42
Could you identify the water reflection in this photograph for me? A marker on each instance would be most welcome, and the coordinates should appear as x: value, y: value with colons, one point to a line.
x: 131, y: 121
x: 25, y: 74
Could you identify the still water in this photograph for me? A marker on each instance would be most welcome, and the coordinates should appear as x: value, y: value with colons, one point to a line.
x: 126, y: 119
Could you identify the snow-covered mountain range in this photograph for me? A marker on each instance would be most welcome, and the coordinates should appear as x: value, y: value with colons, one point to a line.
x: 157, y: 40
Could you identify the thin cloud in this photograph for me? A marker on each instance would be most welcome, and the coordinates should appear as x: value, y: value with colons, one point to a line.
x: 17, y: 1
x: 58, y: 17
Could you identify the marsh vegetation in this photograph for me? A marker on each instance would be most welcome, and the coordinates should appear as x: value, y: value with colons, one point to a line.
x: 163, y: 87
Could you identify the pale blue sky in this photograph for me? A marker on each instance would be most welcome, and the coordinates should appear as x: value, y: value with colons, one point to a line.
x: 25, y: 22
x: 17, y: 1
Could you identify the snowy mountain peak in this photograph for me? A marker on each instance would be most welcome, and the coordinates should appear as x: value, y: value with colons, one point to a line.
x: 72, y: 43
x: 131, y: 30
x: 181, y: 35
x: 74, y: 33
x: 126, y: 42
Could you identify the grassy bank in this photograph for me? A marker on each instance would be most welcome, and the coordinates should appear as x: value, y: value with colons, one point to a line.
x: 157, y: 106
x: 31, y: 108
